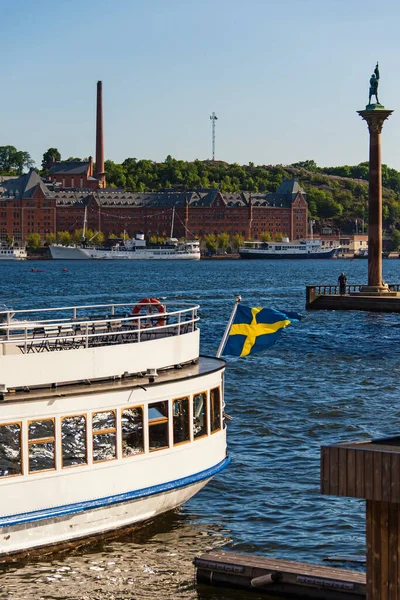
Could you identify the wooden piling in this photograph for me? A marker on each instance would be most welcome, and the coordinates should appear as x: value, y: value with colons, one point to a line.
x: 371, y: 470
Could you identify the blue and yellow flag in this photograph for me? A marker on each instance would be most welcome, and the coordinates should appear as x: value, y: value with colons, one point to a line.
x: 255, y: 329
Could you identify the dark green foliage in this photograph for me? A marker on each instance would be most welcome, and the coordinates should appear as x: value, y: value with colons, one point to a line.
x: 48, y: 156
x: 13, y: 161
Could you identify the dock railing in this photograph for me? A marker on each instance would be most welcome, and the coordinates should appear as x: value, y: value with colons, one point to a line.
x: 333, y: 289
x: 81, y: 328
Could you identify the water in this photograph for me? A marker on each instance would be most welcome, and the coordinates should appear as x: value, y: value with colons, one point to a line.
x: 332, y: 377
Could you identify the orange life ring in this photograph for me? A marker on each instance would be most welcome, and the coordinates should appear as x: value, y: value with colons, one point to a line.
x: 150, y: 304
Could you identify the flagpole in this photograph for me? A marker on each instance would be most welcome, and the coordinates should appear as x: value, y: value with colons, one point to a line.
x: 228, y: 327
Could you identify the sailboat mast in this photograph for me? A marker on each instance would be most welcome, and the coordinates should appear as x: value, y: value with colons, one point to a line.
x: 172, y: 222
x: 84, y: 226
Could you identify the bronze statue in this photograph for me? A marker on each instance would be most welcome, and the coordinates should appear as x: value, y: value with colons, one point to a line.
x: 373, y: 85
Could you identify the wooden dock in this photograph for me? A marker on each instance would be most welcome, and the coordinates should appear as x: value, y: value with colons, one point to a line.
x: 278, y: 578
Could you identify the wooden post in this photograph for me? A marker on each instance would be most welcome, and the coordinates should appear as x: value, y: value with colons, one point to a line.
x: 371, y: 470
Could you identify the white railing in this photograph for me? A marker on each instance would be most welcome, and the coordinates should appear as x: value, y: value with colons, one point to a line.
x: 80, y: 330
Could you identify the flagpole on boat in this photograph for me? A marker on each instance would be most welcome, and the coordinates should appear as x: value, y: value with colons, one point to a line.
x: 228, y: 327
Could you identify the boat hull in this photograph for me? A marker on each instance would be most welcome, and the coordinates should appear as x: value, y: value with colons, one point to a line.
x: 265, y: 255
x: 77, y: 253
x: 64, y: 503
x: 85, y: 520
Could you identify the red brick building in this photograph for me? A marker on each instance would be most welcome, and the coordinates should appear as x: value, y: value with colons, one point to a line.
x: 28, y: 204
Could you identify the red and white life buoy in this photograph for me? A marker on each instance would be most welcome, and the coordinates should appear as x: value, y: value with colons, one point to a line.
x: 150, y: 305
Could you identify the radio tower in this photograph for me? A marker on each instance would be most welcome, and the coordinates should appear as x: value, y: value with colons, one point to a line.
x: 213, y: 118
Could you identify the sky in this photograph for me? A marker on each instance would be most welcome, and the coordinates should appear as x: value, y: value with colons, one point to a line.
x: 285, y: 78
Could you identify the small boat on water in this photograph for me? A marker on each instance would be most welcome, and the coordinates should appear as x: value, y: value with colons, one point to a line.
x: 110, y: 416
x: 304, y: 249
x: 132, y: 249
x: 13, y: 253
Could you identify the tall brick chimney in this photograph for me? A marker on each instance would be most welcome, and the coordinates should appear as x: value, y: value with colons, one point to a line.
x: 100, y: 174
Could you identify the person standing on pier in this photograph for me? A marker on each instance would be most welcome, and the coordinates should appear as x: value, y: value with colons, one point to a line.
x: 342, y: 279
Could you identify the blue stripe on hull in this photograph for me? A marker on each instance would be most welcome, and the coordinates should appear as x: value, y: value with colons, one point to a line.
x: 69, y: 509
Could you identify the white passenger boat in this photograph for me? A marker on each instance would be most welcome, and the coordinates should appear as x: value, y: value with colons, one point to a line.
x: 133, y: 249
x: 13, y: 253
x: 109, y: 417
x: 285, y: 249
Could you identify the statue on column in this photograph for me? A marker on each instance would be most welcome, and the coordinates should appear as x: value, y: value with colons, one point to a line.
x: 373, y: 84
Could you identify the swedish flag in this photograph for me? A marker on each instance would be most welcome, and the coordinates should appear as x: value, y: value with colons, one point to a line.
x: 255, y: 329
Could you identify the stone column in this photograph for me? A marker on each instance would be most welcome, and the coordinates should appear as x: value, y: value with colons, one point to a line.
x: 375, y: 115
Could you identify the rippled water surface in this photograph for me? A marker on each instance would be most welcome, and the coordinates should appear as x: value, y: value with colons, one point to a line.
x: 332, y: 377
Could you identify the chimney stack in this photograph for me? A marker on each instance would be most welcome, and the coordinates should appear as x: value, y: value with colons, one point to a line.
x: 100, y: 174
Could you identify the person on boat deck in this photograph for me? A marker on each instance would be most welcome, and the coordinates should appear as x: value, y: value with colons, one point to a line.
x: 342, y: 279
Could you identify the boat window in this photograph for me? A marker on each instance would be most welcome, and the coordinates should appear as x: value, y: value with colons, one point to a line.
x: 132, y: 431
x: 73, y: 441
x: 180, y: 420
x: 10, y: 450
x: 158, y: 426
x: 215, y: 409
x: 200, y: 414
x: 41, y: 442
x: 104, y: 436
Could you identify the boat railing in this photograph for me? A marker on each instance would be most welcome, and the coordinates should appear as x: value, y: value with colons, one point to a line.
x: 109, y: 326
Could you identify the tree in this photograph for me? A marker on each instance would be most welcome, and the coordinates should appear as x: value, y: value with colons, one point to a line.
x: 64, y: 238
x: 14, y: 161
x: 115, y: 174
x: 223, y: 241
x: 265, y: 236
x: 50, y: 238
x: 33, y: 240
x: 237, y: 241
x: 396, y: 239
x: 52, y: 154
x: 211, y: 242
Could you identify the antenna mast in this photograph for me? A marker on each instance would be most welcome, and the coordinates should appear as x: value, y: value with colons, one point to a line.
x: 213, y: 118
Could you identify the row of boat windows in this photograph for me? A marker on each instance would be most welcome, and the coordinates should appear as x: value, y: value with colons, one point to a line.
x: 191, y: 419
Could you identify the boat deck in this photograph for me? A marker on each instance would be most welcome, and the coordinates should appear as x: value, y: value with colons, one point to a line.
x: 204, y: 365
x: 87, y: 330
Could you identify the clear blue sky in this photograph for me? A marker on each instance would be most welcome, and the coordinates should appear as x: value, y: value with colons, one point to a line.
x: 285, y: 78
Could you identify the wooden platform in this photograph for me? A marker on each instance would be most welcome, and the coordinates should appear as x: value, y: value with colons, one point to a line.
x: 279, y: 578
x: 327, y: 297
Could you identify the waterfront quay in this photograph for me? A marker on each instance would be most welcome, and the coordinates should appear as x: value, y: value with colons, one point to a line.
x: 328, y: 297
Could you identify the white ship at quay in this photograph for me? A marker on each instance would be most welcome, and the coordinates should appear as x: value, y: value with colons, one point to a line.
x: 110, y: 416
